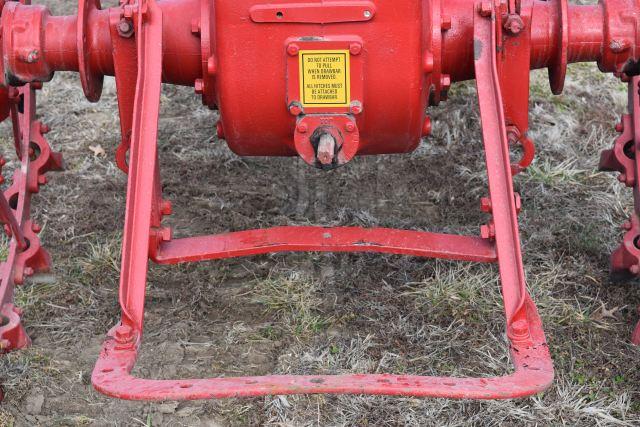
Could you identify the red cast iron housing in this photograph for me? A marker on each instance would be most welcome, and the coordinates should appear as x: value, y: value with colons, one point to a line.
x: 327, y: 80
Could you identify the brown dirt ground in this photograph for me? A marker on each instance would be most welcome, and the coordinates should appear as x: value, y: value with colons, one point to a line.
x: 331, y: 313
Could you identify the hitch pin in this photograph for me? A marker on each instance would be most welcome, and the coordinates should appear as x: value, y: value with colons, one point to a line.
x: 326, y: 149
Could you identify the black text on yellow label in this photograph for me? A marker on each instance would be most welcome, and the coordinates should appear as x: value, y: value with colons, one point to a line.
x: 325, y: 78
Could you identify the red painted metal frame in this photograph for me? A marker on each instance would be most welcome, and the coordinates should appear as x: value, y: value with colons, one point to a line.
x: 26, y: 256
x: 624, y: 158
x: 404, y: 57
x: 112, y: 373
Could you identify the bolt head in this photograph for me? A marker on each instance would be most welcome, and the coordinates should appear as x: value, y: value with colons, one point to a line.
x: 355, y: 48
x: 514, y: 24
x: 427, y: 127
x: 446, y: 23
x: 350, y: 127
x: 199, y: 86
x: 519, y: 330
x: 620, y: 127
x: 128, y: 11
x: 634, y: 269
x: 429, y: 62
x: 212, y: 66
x: 295, y: 108
x: 485, y: 205
x: 195, y: 27
x: 302, y: 127
x: 166, y: 208
x: 293, y: 49
x: 356, y: 107
x: 124, y: 334
x: 486, y: 9
x: 220, y: 130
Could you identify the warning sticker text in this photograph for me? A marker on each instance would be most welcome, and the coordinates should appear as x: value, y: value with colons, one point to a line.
x: 324, y: 78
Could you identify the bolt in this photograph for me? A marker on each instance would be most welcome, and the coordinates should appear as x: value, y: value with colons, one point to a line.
x: 195, y: 27
x: 19, y: 311
x: 518, y: 202
x: 28, y: 271
x: 446, y: 23
x: 302, y: 127
x: 350, y: 127
x: 199, y: 86
x: 486, y: 9
x: 519, y: 330
x: 44, y: 129
x: 293, y: 49
x: 32, y: 56
x: 635, y: 269
x: 212, y: 66
x: 128, y: 11
x: 429, y: 62
x: 36, y: 228
x: 356, y: 107
x: 355, y: 48
x: 125, y: 28
x: 166, y: 208
x: 220, y: 130
x: 485, y: 205
x: 36, y: 85
x: 514, y: 24
x: 42, y: 179
x: 124, y: 334
x: 367, y: 14
x: 445, y: 81
x: 488, y: 231
x: 427, y: 127
x: 619, y: 45
x: 326, y: 149
x: 627, y: 225
x: 622, y: 178
x: 620, y: 127
x: 295, y: 108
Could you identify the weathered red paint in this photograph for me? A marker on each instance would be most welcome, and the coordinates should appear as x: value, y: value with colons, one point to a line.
x: 397, y: 57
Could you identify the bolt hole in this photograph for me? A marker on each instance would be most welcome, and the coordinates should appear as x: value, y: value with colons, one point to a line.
x: 35, y: 151
x: 279, y: 15
x: 13, y: 201
x: 629, y: 150
x: 185, y: 385
x: 107, y: 370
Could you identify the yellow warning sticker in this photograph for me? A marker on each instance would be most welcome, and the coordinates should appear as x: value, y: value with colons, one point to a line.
x: 325, y: 78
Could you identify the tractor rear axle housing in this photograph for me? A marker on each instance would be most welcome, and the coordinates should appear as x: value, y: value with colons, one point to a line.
x: 325, y: 80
